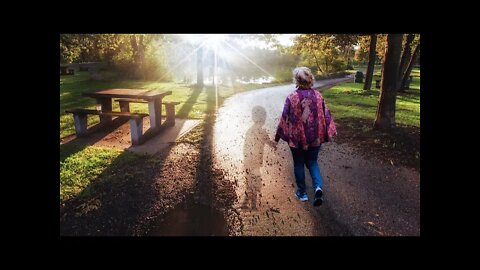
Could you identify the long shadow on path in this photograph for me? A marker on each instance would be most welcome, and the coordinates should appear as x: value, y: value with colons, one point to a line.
x: 198, y: 215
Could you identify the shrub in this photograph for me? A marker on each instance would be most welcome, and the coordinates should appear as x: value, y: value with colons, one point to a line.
x: 359, y: 77
x: 336, y: 65
x: 283, y: 75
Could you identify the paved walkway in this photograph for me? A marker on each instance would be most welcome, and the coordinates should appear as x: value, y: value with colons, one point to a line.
x: 362, y: 196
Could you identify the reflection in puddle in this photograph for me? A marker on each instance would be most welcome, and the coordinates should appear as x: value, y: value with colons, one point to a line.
x: 190, y: 219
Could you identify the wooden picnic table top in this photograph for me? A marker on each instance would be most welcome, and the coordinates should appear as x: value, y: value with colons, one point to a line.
x: 145, y: 94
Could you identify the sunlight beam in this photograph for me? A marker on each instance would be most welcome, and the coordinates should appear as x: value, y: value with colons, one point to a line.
x: 248, y: 59
x: 169, y: 71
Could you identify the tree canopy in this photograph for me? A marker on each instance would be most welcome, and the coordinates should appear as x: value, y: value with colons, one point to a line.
x: 133, y: 55
x: 325, y: 52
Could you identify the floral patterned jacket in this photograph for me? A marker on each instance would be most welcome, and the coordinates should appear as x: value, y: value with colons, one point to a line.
x: 306, y: 120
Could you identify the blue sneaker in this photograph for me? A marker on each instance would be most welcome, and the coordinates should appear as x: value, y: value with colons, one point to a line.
x: 318, y: 197
x: 302, y: 197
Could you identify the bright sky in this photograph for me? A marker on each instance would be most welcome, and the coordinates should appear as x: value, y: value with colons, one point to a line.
x: 284, y: 39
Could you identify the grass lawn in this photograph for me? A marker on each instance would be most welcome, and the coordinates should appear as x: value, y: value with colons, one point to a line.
x: 79, y: 169
x: 349, y: 100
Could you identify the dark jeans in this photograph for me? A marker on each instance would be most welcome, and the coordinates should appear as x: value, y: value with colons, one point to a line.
x: 302, y: 158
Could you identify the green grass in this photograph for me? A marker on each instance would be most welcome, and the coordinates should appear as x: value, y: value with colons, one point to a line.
x: 351, y: 101
x: 415, y: 72
x: 79, y: 170
x: 193, y: 104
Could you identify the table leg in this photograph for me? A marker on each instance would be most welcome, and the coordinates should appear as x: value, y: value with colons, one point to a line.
x: 124, y: 106
x: 106, y: 106
x: 155, y: 113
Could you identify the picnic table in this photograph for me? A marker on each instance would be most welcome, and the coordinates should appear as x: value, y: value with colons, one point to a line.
x: 104, y: 100
x: 153, y: 97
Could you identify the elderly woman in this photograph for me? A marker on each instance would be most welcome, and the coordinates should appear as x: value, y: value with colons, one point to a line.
x: 305, y: 124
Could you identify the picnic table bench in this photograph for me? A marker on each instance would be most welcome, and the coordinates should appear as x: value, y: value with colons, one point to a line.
x: 136, y: 121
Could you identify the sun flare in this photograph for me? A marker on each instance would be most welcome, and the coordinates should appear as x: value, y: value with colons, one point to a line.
x: 210, y: 40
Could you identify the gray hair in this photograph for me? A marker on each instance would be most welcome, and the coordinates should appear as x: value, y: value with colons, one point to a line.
x: 303, y: 77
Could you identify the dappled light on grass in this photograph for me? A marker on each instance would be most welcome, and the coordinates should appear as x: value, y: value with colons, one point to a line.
x: 79, y: 169
x: 349, y: 100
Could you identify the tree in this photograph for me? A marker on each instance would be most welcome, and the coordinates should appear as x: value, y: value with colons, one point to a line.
x: 385, y: 117
x: 371, y: 62
x: 70, y: 47
x: 381, y: 46
x: 200, y: 67
x: 345, y: 43
x: 363, y: 49
x: 406, y: 55
x: 137, y: 56
x: 408, y: 71
x: 323, y: 51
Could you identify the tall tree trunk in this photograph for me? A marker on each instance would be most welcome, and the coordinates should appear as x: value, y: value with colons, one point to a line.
x: 141, y: 50
x: 141, y: 58
x: 407, y: 53
x: 385, y: 118
x: 133, y: 43
x: 346, y: 54
x: 200, y: 67
x: 348, y: 57
x: 371, y: 62
x: 316, y: 62
x: 407, y: 73
x: 135, y: 56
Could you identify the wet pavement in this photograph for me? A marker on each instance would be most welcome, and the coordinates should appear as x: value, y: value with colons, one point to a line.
x: 362, y: 196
